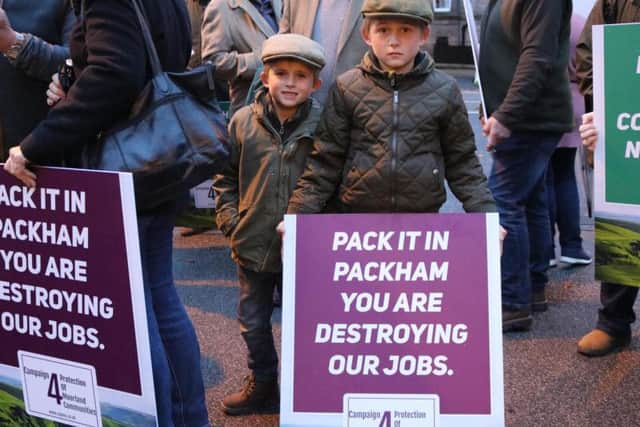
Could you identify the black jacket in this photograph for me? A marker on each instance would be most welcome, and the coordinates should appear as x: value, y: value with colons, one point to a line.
x: 523, y: 63
x: 111, y: 69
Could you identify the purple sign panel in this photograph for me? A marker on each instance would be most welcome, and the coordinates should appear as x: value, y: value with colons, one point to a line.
x: 391, y: 304
x: 64, y: 278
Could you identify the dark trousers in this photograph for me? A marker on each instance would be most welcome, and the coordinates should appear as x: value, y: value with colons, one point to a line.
x: 564, y: 202
x: 254, y: 314
x: 518, y: 185
x: 616, y: 315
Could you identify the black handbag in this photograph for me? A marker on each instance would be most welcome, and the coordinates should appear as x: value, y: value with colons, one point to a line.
x: 175, y: 137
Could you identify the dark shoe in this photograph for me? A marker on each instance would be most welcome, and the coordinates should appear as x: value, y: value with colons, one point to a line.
x: 256, y: 397
x: 539, y: 301
x: 578, y: 258
x: 516, y: 320
x: 599, y: 343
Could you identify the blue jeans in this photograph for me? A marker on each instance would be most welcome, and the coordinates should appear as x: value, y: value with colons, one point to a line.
x: 175, y: 354
x: 254, y: 314
x: 517, y: 182
x: 564, y: 202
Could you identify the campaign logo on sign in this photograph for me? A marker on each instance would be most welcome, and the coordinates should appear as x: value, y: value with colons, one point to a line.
x: 60, y: 390
x: 391, y: 410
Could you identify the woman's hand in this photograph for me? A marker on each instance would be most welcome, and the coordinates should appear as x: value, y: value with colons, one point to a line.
x: 16, y: 165
x: 55, y: 93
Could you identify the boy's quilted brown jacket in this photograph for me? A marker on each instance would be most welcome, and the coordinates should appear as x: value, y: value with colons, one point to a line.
x: 387, y: 142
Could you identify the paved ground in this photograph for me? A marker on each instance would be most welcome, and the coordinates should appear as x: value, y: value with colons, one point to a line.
x: 546, y: 382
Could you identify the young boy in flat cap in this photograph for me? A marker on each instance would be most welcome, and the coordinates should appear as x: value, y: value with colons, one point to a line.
x: 270, y: 141
x: 394, y: 127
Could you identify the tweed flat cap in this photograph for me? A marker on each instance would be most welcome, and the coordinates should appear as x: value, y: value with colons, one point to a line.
x: 293, y: 46
x: 411, y: 9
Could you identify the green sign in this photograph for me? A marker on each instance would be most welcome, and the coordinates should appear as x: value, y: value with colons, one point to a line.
x: 622, y: 112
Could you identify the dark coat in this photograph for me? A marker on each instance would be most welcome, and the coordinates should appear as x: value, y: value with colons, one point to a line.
x: 253, y: 191
x: 111, y: 69
x: 386, y: 142
x: 603, y: 12
x: 523, y: 64
x: 23, y: 84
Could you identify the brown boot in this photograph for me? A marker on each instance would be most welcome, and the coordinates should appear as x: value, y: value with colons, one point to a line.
x: 599, y: 343
x: 254, y: 397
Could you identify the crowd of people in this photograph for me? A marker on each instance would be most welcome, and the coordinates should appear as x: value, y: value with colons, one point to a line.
x: 334, y: 107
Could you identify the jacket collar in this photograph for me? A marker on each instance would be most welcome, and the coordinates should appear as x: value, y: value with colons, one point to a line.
x: 370, y: 65
x: 264, y: 111
x: 255, y: 15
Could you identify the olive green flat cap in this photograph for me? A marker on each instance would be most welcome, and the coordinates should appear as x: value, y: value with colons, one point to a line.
x: 411, y: 9
x: 293, y: 46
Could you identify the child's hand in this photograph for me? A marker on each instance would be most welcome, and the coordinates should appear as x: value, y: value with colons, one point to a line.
x: 495, y: 132
x: 588, y: 132
x: 502, y: 235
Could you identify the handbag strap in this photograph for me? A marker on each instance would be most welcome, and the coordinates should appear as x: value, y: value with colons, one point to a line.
x: 152, y: 53
x: 149, y: 47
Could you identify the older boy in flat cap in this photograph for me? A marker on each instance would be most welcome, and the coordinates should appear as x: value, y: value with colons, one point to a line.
x: 394, y: 127
x: 270, y: 141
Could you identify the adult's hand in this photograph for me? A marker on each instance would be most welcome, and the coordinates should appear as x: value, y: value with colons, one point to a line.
x: 55, y: 92
x: 495, y: 132
x: 16, y: 165
x: 7, y: 35
x: 588, y: 131
x: 280, y: 229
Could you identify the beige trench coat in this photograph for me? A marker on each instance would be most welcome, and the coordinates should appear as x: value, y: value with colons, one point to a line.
x: 232, y: 36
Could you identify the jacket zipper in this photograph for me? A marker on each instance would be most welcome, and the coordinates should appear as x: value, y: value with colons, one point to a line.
x: 394, y: 143
x: 279, y: 177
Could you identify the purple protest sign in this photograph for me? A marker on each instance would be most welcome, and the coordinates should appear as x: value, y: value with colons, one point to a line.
x: 70, y: 282
x: 390, y: 304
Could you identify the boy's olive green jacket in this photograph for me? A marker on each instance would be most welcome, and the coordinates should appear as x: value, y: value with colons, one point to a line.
x: 253, y: 191
x: 386, y: 143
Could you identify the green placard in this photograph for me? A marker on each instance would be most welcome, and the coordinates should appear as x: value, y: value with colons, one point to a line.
x: 622, y: 112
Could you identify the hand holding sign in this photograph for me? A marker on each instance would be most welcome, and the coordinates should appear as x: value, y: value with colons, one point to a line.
x: 588, y: 131
x: 16, y: 165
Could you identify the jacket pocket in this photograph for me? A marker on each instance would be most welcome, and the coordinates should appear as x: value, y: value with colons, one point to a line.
x: 239, y: 223
x: 354, y: 171
x: 435, y: 176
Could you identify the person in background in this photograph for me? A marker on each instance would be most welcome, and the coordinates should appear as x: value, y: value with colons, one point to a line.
x: 269, y: 138
x: 523, y: 70
x: 335, y: 24
x: 110, y: 72
x: 564, y: 202
x: 232, y: 35
x: 613, y: 328
x: 34, y: 40
x: 196, y: 14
